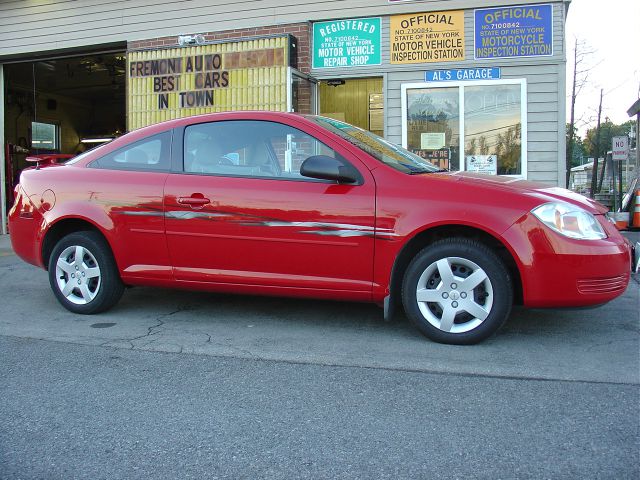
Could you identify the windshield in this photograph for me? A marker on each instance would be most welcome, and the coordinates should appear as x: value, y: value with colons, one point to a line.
x: 393, y: 155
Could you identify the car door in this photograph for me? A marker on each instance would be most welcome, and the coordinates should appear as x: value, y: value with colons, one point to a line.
x: 130, y: 189
x: 240, y: 213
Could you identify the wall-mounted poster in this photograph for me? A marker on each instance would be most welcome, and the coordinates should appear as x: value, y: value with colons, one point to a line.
x: 427, y: 37
x: 432, y: 140
x: 346, y: 43
x: 524, y: 31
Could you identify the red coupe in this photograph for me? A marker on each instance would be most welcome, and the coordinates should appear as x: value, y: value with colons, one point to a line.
x: 292, y: 205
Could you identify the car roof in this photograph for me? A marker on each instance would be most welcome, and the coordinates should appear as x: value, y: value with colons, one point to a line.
x: 209, y: 117
x: 167, y: 125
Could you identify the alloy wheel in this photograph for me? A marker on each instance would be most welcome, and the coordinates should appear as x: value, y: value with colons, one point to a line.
x: 78, y: 275
x: 454, y: 294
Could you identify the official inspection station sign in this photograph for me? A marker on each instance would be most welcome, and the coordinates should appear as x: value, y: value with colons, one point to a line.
x: 523, y: 31
x: 427, y: 37
x: 346, y: 43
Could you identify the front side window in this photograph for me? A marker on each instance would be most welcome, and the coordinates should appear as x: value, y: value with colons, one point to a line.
x: 472, y: 126
x: 250, y: 148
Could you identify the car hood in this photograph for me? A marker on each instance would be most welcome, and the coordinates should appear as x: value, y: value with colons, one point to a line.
x: 539, y: 192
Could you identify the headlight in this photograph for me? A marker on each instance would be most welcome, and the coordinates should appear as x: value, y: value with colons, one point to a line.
x: 570, y: 221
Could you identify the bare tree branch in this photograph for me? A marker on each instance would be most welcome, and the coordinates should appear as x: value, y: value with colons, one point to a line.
x: 581, y: 53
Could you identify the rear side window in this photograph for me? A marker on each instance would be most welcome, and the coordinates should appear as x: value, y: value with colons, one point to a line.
x: 148, y: 154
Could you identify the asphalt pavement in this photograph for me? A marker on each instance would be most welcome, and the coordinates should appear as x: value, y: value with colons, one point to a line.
x: 75, y: 411
x: 585, y: 345
x: 174, y: 384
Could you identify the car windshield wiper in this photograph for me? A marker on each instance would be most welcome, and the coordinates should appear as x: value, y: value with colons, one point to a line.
x: 419, y: 172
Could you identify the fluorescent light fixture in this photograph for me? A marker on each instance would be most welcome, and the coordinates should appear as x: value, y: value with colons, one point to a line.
x: 96, y: 140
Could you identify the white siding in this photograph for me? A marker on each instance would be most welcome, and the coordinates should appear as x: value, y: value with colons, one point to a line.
x: 27, y: 27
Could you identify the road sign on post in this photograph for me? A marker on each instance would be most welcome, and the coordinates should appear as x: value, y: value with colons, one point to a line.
x: 620, y: 148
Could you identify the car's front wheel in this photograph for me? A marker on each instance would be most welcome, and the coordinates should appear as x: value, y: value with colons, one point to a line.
x: 457, y: 291
x: 83, y: 274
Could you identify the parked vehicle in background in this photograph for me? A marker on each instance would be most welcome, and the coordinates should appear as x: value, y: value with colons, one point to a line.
x: 283, y: 204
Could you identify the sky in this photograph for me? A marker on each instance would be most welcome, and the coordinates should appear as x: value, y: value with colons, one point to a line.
x: 611, y: 29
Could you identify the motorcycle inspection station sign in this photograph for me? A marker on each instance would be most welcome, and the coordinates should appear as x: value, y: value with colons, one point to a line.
x: 525, y: 31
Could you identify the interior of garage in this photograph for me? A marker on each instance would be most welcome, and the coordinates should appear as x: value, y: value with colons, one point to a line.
x: 62, y: 105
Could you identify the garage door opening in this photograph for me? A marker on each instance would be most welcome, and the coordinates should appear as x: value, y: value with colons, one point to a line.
x: 62, y: 106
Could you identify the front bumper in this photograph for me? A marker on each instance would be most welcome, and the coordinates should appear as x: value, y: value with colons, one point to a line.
x: 561, y: 272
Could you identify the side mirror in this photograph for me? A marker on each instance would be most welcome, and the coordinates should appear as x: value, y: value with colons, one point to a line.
x: 329, y: 168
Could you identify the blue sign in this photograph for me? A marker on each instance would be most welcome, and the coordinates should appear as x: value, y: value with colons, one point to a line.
x: 462, y: 74
x: 525, y: 31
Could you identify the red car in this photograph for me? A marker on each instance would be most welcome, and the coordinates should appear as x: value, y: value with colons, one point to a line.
x: 285, y: 204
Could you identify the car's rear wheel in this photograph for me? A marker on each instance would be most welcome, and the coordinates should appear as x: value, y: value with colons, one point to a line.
x: 457, y: 291
x: 83, y: 273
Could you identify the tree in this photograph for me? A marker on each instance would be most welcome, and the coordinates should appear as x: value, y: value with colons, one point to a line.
x: 577, y: 149
x: 608, y: 130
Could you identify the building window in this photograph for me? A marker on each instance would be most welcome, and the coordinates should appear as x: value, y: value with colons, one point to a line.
x: 44, y: 136
x: 474, y: 126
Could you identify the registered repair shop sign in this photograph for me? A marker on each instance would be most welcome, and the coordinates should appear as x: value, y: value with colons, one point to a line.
x: 523, y: 31
x: 346, y: 43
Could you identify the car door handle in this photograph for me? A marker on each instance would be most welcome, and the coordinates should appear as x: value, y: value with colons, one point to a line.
x: 193, y: 201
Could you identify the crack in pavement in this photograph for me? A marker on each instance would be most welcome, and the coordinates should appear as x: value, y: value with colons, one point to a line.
x: 230, y: 347
x: 150, y: 331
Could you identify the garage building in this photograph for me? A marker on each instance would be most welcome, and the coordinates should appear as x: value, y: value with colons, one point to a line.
x: 469, y: 84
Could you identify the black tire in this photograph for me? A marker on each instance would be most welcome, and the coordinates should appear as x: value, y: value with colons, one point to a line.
x: 452, y: 313
x: 75, y: 284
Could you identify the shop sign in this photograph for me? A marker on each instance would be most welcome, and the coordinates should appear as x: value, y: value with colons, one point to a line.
x: 620, y: 148
x: 347, y: 43
x: 523, y: 31
x: 177, y: 82
x: 462, y: 74
x: 427, y: 37
x: 482, y: 164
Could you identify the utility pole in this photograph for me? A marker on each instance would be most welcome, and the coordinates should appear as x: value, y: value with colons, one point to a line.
x: 572, y: 120
x: 594, y: 177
